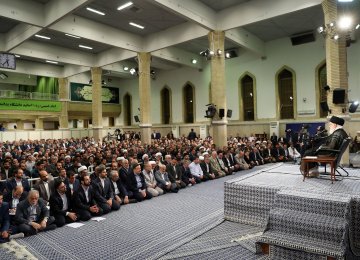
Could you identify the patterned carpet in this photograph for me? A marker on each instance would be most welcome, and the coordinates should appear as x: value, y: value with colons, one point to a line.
x: 146, y: 230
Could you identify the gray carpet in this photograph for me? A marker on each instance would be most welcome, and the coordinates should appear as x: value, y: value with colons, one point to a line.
x: 146, y: 230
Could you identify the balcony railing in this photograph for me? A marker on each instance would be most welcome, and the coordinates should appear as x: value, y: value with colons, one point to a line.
x: 28, y: 95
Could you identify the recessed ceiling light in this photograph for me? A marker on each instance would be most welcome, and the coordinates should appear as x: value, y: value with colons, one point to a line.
x: 125, y: 5
x: 95, y: 11
x: 17, y: 56
x: 52, y: 62
x: 344, y: 1
x: 85, y: 47
x: 42, y: 36
x: 193, y: 61
x: 73, y: 36
x: 126, y: 68
x: 137, y: 25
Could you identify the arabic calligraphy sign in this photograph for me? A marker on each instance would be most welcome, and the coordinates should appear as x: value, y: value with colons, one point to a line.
x: 30, y: 105
x: 82, y: 92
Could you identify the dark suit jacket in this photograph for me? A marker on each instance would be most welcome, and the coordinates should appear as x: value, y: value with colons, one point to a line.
x: 23, y: 211
x: 174, y: 175
x: 39, y: 186
x: 56, y: 204
x: 76, y: 185
x: 9, y: 198
x: 121, y: 188
x: 11, y: 184
x: 275, y: 153
x: 253, y: 158
x: 132, y: 183
x: 204, y: 169
x: 105, y: 192
x: 79, y: 198
x: 4, y: 217
x: 124, y: 176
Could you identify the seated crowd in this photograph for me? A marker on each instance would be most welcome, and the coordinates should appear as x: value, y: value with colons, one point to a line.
x: 48, y: 183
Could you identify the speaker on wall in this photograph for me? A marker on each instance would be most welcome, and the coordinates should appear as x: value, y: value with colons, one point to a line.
x: 339, y: 96
x: 229, y: 113
x: 221, y: 112
x: 136, y: 118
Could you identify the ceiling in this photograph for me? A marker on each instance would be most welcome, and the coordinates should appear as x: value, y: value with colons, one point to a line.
x: 175, y: 30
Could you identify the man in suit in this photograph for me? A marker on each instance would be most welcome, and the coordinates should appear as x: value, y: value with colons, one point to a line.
x: 175, y: 174
x: 137, y: 185
x: 18, y: 180
x: 102, y: 186
x: 61, y: 204
x: 188, y: 179
x: 85, y: 200
x: 44, y: 186
x: 162, y: 178
x: 192, y: 135
x: 13, y: 198
x: 278, y: 153
x: 120, y: 193
x: 255, y: 157
x: 206, y: 168
x: 73, y: 182
x: 32, y: 215
x: 273, y: 138
x: 4, y: 220
x: 214, y: 161
x: 151, y: 183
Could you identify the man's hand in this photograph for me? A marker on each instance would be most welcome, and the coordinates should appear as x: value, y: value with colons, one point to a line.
x: 72, y: 216
x: 43, y: 224
x: 143, y: 192
x: 4, y: 234
x: 94, y: 209
x: 117, y: 198
x: 109, y: 202
x: 35, y: 225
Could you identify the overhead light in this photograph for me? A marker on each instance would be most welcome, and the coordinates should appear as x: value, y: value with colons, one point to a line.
x: 126, y: 68
x: 137, y: 25
x: 193, y: 61
x: 42, y: 36
x: 52, y: 62
x: 125, y: 5
x: 73, y: 36
x: 85, y: 47
x: 230, y: 54
x: 336, y: 37
x: 357, y: 26
x: 17, y: 56
x: 95, y: 11
x: 227, y: 55
x: 211, y: 53
x: 345, y: 22
x: 134, y: 71
x: 219, y: 52
x: 3, y: 76
x: 345, y: 1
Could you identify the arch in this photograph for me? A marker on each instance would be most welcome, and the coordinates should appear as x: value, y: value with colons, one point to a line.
x: 127, y: 101
x: 286, y: 99
x: 247, y: 97
x: 189, y: 103
x: 166, y: 111
x: 320, y: 92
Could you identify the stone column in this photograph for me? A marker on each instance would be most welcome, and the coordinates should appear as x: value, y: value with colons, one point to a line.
x: 218, y: 87
x: 145, y: 96
x: 336, y: 67
x: 64, y: 99
x: 19, y: 125
x: 39, y: 124
x: 96, y: 74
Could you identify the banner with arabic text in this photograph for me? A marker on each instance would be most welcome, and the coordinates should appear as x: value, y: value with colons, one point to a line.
x: 30, y: 105
x: 83, y: 92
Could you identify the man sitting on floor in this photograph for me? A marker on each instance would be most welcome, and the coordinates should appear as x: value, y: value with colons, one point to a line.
x: 32, y: 215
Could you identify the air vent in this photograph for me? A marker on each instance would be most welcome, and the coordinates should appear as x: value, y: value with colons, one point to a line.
x: 302, y: 38
x: 135, y: 9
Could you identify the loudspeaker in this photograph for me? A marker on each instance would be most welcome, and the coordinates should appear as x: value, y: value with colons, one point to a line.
x: 221, y: 112
x: 324, y: 106
x: 136, y: 118
x: 353, y: 107
x: 229, y: 113
x: 339, y: 96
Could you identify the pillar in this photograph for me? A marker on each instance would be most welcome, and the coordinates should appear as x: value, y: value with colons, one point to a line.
x: 218, y: 87
x: 19, y: 125
x: 145, y: 96
x: 336, y: 67
x: 64, y: 99
x: 96, y: 74
x: 39, y: 123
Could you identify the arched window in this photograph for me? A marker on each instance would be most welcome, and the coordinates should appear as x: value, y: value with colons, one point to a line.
x: 247, y: 96
x: 127, y: 110
x: 322, y: 76
x: 165, y: 106
x: 286, y: 95
x: 188, y: 104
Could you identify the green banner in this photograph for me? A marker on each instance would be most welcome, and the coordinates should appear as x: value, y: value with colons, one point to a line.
x: 83, y: 92
x: 30, y: 105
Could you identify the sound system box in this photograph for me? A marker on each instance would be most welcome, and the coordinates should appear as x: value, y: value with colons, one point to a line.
x: 229, y: 113
x: 221, y: 112
x: 339, y: 96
